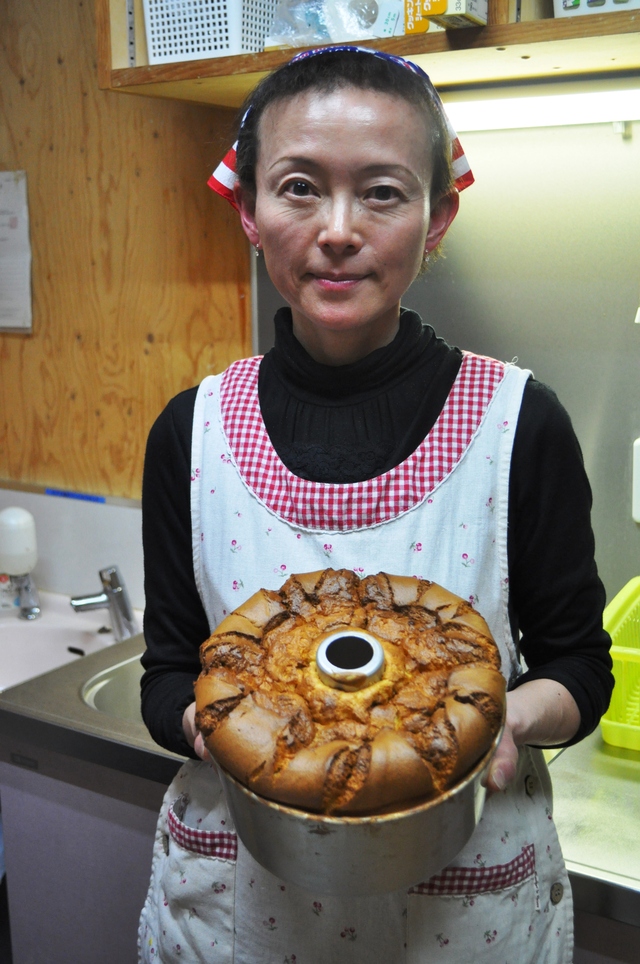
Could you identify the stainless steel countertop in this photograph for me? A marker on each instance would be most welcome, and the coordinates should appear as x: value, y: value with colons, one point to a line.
x: 48, y: 711
x: 596, y: 786
x: 596, y: 790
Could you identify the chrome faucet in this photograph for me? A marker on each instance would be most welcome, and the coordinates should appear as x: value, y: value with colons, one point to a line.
x: 115, y: 598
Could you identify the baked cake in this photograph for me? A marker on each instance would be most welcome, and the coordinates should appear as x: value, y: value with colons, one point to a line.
x: 354, y: 745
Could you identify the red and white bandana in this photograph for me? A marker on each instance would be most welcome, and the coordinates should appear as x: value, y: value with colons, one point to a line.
x: 223, y: 179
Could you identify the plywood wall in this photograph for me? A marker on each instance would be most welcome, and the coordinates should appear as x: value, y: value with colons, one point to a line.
x: 140, y: 274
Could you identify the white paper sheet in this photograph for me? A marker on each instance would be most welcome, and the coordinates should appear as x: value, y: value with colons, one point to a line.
x: 15, y: 253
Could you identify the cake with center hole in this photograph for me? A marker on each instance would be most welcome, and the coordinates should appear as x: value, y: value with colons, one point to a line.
x: 348, y: 696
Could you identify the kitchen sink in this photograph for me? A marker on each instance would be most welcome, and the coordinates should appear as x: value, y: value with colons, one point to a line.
x: 29, y: 648
x: 116, y: 690
x: 89, y: 709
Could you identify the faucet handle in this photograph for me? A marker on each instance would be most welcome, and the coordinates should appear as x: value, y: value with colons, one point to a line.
x: 111, y: 579
x: 124, y: 620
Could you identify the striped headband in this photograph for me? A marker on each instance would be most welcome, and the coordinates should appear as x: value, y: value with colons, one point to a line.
x: 224, y: 177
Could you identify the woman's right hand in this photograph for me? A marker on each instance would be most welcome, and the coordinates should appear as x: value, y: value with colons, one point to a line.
x: 193, y: 734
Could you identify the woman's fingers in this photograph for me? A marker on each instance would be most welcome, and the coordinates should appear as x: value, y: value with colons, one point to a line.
x: 189, y: 723
x: 200, y: 748
x: 504, y: 763
x: 193, y: 735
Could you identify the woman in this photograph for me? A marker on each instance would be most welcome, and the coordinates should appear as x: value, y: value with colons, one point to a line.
x: 363, y: 441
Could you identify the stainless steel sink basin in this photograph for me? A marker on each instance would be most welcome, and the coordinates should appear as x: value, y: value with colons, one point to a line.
x: 89, y: 710
x: 116, y: 690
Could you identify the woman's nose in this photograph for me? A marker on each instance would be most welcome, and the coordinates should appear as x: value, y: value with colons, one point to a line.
x: 340, y: 229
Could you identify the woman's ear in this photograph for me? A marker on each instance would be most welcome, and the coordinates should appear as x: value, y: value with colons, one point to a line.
x: 246, y: 202
x: 442, y: 214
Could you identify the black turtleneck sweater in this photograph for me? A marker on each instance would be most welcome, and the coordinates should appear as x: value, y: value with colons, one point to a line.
x: 353, y: 422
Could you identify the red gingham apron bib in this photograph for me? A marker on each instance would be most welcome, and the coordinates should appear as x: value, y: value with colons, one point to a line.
x: 442, y: 515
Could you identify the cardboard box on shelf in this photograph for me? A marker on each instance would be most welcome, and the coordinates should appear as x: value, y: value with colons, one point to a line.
x: 418, y: 12
x: 463, y: 13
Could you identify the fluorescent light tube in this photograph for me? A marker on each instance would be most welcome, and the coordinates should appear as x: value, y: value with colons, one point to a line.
x: 551, y: 110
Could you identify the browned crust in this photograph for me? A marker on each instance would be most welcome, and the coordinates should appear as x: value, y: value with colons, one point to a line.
x: 268, y: 719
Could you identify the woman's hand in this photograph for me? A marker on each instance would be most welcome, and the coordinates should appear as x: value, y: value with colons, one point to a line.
x: 193, y: 735
x: 541, y: 712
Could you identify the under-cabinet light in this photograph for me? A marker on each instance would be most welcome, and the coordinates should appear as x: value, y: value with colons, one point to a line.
x: 549, y: 110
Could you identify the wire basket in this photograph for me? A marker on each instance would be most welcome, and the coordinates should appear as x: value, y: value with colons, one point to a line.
x: 621, y: 723
x: 179, y: 30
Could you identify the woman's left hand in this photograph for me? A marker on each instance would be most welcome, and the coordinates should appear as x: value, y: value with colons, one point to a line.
x: 541, y: 712
x: 193, y: 735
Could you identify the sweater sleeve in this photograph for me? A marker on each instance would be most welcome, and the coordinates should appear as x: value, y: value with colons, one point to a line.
x: 175, y: 623
x: 556, y: 596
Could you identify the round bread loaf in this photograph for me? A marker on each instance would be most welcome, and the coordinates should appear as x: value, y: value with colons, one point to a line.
x: 271, y: 721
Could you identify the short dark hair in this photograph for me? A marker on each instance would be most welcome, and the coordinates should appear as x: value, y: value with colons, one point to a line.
x: 333, y: 71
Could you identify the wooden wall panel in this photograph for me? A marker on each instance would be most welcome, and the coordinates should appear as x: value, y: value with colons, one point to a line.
x: 140, y: 274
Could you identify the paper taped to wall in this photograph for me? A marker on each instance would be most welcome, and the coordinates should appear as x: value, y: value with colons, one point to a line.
x: 15, y: 253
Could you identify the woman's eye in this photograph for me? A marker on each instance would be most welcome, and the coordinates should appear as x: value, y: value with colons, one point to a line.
x: 298, y: 188
x: 383, y: 192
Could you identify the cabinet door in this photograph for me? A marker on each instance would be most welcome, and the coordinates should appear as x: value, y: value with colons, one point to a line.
x: 78, y: 867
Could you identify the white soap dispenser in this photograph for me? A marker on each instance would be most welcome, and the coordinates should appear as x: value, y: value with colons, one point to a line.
x: 18, y: 556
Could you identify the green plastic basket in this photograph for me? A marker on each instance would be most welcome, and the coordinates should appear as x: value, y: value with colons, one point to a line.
x: 621, y: 723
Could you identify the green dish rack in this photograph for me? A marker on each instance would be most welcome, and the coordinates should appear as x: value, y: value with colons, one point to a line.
x: 621, y: 723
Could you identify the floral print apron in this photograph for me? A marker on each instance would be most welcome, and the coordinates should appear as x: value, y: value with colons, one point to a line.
x: 441, y: 515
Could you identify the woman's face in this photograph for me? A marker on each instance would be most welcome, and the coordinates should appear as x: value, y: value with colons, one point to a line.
x: 342, y: 214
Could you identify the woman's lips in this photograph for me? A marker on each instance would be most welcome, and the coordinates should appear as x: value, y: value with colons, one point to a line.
x: 337, y: 282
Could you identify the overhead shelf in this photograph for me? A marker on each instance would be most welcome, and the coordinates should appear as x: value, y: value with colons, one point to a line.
x: 567, y: 47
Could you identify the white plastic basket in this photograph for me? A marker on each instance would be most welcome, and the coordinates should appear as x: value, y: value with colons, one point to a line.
x: 180, y: 30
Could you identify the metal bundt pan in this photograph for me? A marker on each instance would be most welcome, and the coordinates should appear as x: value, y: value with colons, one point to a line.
x: 339, y: 856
